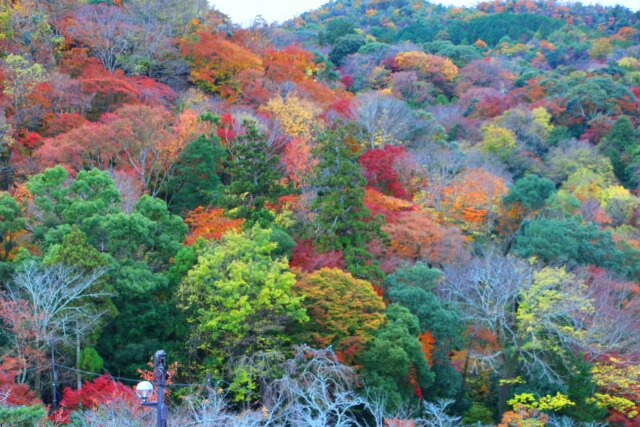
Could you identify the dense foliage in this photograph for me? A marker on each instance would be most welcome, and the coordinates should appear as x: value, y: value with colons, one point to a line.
x: 388, y: 213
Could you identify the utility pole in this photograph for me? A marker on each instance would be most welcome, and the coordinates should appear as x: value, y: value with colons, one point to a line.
x: 160, y: 374
x: 144, y: 389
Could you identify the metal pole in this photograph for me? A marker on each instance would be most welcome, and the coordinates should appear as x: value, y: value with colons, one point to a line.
x: 54, y: 400
x: 159, y: 372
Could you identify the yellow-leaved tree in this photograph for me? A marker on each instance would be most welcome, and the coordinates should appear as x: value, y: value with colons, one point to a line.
x: 296, y: 116
x: 498, y: 140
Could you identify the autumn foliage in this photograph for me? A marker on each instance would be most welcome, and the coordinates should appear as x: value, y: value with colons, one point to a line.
x: 101, y: 391
x: 379, y: 170
x: 12, y: 392
x: 445, y: 199
x: 216, y: 61
x: 209, y: 224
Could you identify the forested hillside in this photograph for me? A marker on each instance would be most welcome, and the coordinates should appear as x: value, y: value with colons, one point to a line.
x: 382, y: 212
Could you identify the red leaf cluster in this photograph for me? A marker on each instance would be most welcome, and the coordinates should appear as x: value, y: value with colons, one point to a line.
x: 379, y: 171
x: 11, y: 392
x: 101, y: 391
x: 306, y: 257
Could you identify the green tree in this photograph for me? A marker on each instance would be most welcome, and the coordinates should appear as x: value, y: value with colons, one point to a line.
x: 345, y: 45
x: 75, y: 251
x: 499, y: 141
x: 619, y: 204
x: 238, y: 298
x: 142, y: 244
x: 574, y: 242
x: 255, y: 177
x: 11, y: 223
x: 138, y: 247
x: 335, y: 29
x: 549, y: 310
x: 593, y: 97
x: 196, y: 180
x: 341, y: 220
x: 86, y: 201
x: 412, y: 287
x: 621, y: 146
x: 23, y: 416
x: 394, y: 364
x: 531, y: 192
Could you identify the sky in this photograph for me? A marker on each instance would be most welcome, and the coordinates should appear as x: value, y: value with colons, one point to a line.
x: 244, y: 11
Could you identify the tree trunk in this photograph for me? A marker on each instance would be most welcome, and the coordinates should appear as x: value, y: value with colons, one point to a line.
x: 465, y: 371
x: 508, y: 373
x: 78, y: 375
x: 37, y: 382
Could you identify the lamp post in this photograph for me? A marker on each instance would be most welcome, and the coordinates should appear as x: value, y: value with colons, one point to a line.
x: 145, y: 388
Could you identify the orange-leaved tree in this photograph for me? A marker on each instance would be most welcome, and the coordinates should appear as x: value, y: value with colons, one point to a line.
x: 473, y: 199
x: 344, y: 311
x: 210, y: 224
x: 215, y: 61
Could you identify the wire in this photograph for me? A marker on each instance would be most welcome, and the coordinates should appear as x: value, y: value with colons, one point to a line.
x: 68, y: 368
x: 131, y: 380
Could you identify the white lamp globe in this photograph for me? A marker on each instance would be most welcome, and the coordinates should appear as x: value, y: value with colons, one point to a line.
x: 144, y: 389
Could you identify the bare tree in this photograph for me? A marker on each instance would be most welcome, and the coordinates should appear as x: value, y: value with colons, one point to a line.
x: 130, y: 188
x: 440, y: 168
x: 377, y: 406
x: 435, y: 415
x: 67, y: 95
x: 173, y: 17
x: 316, y: 390
x: 156, y: 24
x: 60, y: 299
x: 118, y: 413
x: 21, y: 76
x: 485, y: 291
x: 531, y: 321
x: 6, y: 141
x: 558, y: 421
x: 384, y: 119
x: 106, y: 30
x: 615, y: 320
x: 57, y: 293
x: 212, y: 411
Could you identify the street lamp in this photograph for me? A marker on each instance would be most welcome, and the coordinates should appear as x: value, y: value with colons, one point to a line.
x: 145, y: 388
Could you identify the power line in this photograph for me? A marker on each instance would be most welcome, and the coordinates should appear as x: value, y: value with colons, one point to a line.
x: 131, y: 380
x: 68, y: 368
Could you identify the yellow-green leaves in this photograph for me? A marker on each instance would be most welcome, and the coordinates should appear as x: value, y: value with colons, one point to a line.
x: 551, y: 309
x: 544, y: 403
x: 238, y: 296
x: 498, y: 140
